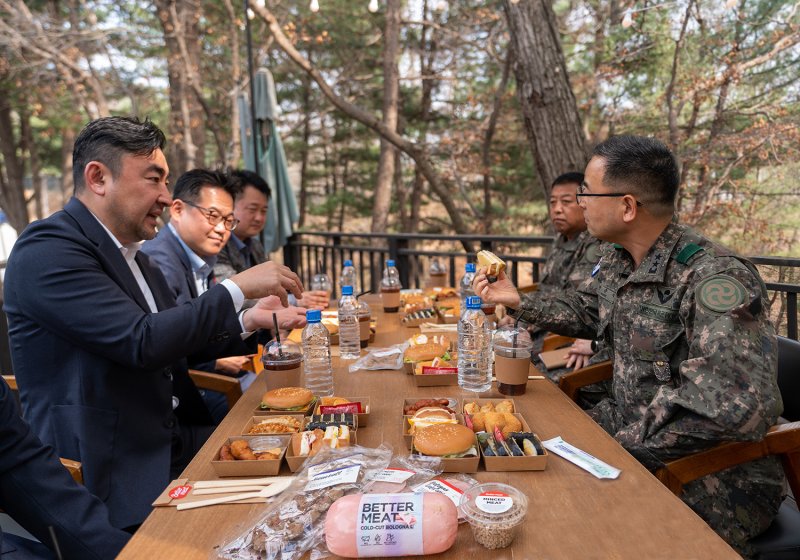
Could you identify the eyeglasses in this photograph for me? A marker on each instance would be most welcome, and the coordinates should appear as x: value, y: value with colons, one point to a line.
x: 581, y: 193
x: 214, y: 217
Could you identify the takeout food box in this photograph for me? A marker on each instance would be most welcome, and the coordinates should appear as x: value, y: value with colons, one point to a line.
x: 511, y: 463
x: 408, y: 438
x: 453, y: 404
x: 296, y: 461
x: 363, y: 417
x: 434, y: 379
x: 264, y: 467
x: 253, y: 420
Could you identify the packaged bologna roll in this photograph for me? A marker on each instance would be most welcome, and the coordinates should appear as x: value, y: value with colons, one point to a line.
x: 381, y: 525
x: 494, y: 511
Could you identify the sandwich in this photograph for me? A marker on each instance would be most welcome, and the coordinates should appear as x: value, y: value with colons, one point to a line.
x: 449, y: 441
x: 423, y: 348
x: 287, y: 399
x: 306, y: 444
x: 276, y: 425
x: 430, y: 416
x: 493, y: 264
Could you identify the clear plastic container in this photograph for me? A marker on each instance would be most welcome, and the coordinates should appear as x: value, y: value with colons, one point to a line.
x: 495, y: 512
x: 364, y: 317
x: 322, y: 282
x: 512, y: 359
x: 349, y: 334
x: 349, y: 276
x: 390, y: 288
x: 437, y: 273
x: 465, y: 285
x: 283, y: 364
x: 474, y: 348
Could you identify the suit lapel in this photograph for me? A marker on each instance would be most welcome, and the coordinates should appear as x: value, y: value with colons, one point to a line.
x: 177, y: 248
x: 109, y: 254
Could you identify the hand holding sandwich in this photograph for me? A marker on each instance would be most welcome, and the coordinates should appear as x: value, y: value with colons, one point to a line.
x: 491, y: 282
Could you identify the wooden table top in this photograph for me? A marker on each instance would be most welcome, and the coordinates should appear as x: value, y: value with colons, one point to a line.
x: 571, y: 514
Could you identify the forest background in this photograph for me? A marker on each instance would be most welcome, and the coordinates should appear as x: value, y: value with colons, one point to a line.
x: 428, y: 116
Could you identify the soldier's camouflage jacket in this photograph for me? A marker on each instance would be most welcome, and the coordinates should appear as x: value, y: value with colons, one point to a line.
x: 695, y: 364
x: 570, y: 262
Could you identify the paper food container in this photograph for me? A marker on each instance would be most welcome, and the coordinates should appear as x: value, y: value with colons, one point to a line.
x: 296, y: 461
x: 363, y: 417
x: 484, y: 401
x: 264, y: 467
x: 510, y: 463
x: 425, y: 376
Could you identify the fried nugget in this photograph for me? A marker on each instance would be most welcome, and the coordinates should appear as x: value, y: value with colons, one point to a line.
x: 512, y: 424
x: 493, y: 419
x: 225, y: 453
x: 478, y: 422
x: 488, y: 407
x: 241, y: 451
x: 471, y: 408
x: 504, y: 406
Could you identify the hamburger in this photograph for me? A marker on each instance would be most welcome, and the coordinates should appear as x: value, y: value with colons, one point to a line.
x: 449, y: 441
x: 287, y: 399
x: 423, y: 349
x: 430, y: 416
x: 493, y: 264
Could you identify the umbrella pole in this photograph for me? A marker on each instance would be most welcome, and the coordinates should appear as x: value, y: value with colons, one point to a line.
x: 253, y: 128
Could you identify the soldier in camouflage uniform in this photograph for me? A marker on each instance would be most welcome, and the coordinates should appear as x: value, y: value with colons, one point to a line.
x: 695, y: 354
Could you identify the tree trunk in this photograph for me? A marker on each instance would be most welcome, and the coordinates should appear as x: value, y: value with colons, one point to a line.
x: 391, y: 90
x: 28, y: 147
x: 418, y: 153
x: 12, y: 191
x: 67, y: 182
x: 552, y: 122
x: 304, y: 151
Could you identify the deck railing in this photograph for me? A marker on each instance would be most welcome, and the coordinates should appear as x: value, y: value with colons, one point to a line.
x: 307, y: 252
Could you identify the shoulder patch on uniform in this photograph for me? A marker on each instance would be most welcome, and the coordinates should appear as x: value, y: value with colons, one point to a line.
x: 688, y: 252
x: 617, y: 246
x: 592, y: 253
x: 721, y: 293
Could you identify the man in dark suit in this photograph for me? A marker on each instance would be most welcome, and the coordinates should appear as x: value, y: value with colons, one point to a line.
x: 98, y: 344
x: 201, y: 221
x: 39, y: 494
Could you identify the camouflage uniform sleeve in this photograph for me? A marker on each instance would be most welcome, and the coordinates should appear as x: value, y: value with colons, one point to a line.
x: 726, y: 387
x: 569, y: 313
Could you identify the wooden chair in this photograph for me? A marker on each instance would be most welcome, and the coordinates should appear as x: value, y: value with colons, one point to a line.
x: 228, y: 386
x: 12, y: 382
x: 556, y: 341
x: 528, y: 289
x: 570, y: 383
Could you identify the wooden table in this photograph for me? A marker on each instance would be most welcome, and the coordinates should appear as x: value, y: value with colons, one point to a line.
x: 571, y: 514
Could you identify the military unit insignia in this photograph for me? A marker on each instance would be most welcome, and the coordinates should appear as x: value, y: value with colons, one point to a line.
x: 596, y: 269
x: 721, y: 293
x: 661, y: 371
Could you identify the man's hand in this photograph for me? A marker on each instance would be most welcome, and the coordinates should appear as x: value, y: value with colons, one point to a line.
x: 579, y: 354
x: 260, y: 316
x: 269, y: 279
x: 501, y: 291
x: 232, y: 365
x: 315, y: 299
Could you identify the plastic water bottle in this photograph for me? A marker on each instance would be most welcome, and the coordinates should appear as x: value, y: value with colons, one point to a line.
x: 317, y: 355
x: 474, y: 346
x: 465, y: 286
x: 348, y: 277
x: 390, y: 288
x: 349, y: 331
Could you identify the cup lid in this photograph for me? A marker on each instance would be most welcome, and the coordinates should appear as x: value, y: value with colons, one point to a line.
x: 512, y: 337
x: 285, y: 352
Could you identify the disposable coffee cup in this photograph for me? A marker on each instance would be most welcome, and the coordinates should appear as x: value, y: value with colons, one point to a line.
x: 283, y: 365
x: 512, y: 359
x: 364, y: 317
x: 390, y: 296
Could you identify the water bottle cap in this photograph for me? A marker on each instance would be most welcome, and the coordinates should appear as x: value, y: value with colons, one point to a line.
x: 390, y: 262
x: 347, y: 290
x: 473, y: 302
x: 348, y: 262
x: 470, y: 267
x: 313, y: 315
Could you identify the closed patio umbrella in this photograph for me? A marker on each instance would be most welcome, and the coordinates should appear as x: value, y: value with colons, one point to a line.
x: 283, y: 211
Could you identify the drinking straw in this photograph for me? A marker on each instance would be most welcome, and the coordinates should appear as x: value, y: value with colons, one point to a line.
x: 319, y: 266
x: 514, y: 340
x: 277, y: 334
x: 365, y: 292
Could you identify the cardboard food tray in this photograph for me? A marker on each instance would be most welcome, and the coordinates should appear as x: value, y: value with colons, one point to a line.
x: 435, y: 379
x: 266, y: 467
x: 296, y: 461
x: 363, y: 417
x: 462, y: 465
x: 504, y: 464
x: 253, y: 420
x: 181, y: 491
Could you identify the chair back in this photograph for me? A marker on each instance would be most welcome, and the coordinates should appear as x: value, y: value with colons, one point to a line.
x: 789, y: 377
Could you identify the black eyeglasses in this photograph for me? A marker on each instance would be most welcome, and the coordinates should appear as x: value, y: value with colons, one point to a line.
x: 581, y: 193
x: 214, y: 217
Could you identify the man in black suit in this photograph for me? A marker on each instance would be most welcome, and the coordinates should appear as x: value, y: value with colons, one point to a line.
x: 201, y: 221
x: 99, y: 345
x: 39, y: 494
